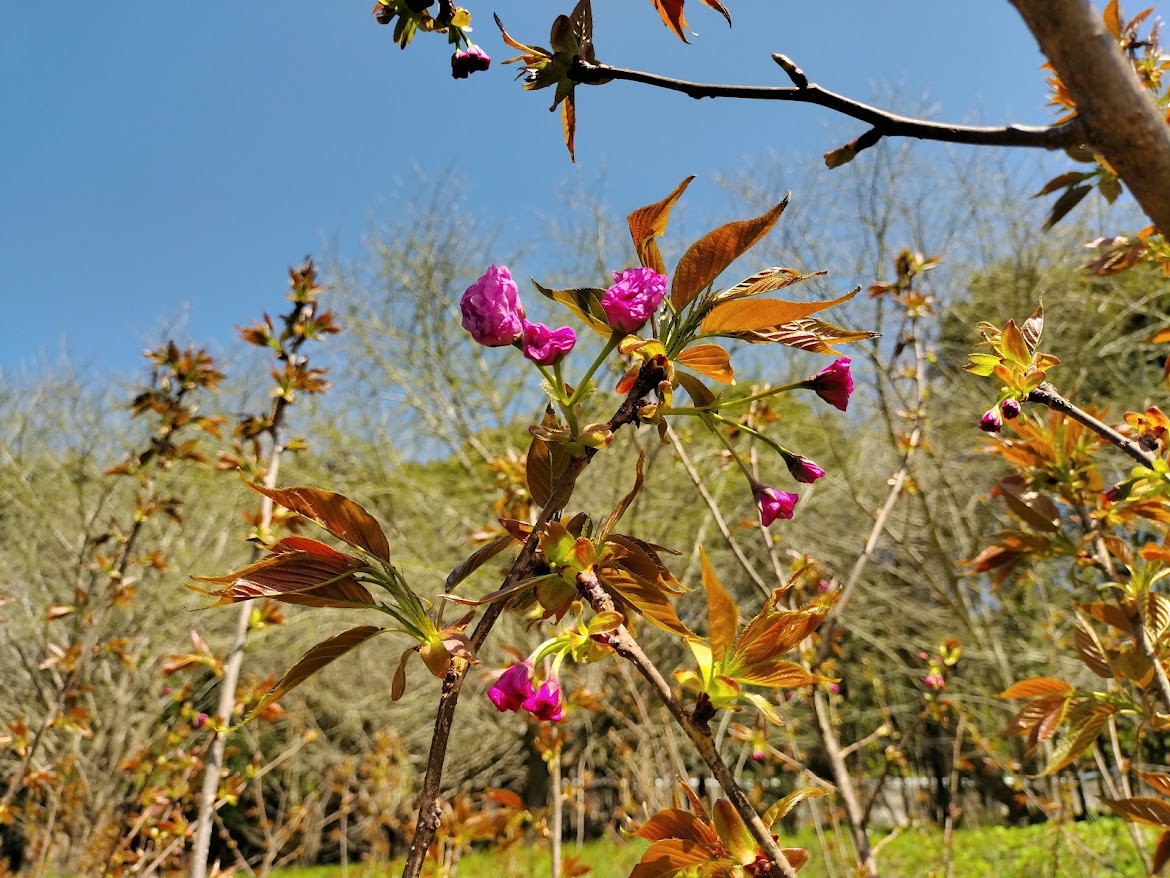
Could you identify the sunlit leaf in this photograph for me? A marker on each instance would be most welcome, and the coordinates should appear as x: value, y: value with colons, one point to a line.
x: 307, y: 578
x: 1035, y: 687
x: 569, y: 125
x: 1142, y: 809
x: 585, y: 302
x: 707, y: 257
x: 1085, y: 724
x: 809, y: 334
x: 699, y: 392
x: 649, y: 222
x: 733, y: 832
x: 676, y: 823
x: 672, y: 15
x: 477, y: 559
x: 767, y: 280
x: 547, y: 462
x: 780, y: 809
x: 670, y: 856
x: 753, y: 315
x: 722, y: 614
x: 711, y: 360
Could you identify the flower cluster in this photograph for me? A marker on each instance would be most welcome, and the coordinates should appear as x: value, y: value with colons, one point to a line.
x: 494, y: 316
x: 473, y: 60
x: 514, y: 691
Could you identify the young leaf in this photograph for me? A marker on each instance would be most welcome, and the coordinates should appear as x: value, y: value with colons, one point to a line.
x: 809, y: 334
x: 1158, y: 780
x: 314, y: 660
x: 620, y: 509
x: 711, y: 360
x: 753, y: 315
x: 733, y: 832
x: 671, y: 856
x: 1067, y: 201
x: 569, y: 125
x: 547, y: 462
x: 1035, y: 687
x: 1091, y: 651
x: 1142, y: 809
x: 585, y: 303
x: 672, y: 16
x: 1085, y: 724
x: 707, y: 257
x: 780, y: 809
x: 1034, y: 327
x: 311, y: 579
x: 477, y: 559
x: 699, y: 392
x: 338, y: 514
x: 722, y: 614
x: 647, y: 599
x: 676, y: 823
x: 767, y: 280
x: 649, y: 222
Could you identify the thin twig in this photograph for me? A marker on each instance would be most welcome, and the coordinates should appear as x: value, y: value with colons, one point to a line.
x: 885, y: 124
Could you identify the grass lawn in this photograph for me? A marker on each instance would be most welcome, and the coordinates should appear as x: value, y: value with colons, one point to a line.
x: 1099, y: 848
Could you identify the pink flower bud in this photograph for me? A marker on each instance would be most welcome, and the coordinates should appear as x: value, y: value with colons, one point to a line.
x: 758, y: 755
x: 935, y: 681
x: 634, y: 297
x: 200, y: 721
x: 991, y: 422
x: 491, y: 308
x: 513, y: 688
x: 547, y: 347
x: 1010, y: 409
x: 834, y: 383
x: 835, y: 688
x: 546, y: 705
x: 774, y: 504
x: 803, y: 469
x: 463, y: 64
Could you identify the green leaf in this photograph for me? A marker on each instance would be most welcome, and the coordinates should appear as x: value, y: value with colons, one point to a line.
x: 733, y: 832
x: 707, y: 257
x: 780, y: 809
x: 585, y: 302
x: 722, y: 615
x: 324, y: 653
x: 699, y: 392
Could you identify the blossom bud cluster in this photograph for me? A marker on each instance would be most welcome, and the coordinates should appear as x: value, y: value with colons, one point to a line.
x: 514, y: 691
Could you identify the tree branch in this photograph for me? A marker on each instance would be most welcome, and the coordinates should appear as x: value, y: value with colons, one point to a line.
x: 1118, y: 115
x: 884, y: 124
x: 1048, y: 395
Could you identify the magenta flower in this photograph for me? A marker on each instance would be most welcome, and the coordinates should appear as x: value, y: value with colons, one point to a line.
x: 546, y: 705
x: 1010, y: 409
x: 491, y: 308
x: 774, y: 504
x: 547, y: 347
x: 834, y: 383
x: 514, y: 687
x: 635, y: 295
x: 991, y: 422
x: 803, y: 469
x: 935, y: 680
x: 475, y: 59
x: 200, y: 721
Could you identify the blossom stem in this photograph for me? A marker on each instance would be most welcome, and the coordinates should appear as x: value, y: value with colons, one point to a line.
x: 579, y: 392
x: 752, y: 431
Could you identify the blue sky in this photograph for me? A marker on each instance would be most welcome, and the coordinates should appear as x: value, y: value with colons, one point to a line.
x: 167, y: 162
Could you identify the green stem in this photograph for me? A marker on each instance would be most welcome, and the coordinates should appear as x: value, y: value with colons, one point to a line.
x: 727, y: 444
x: 754, y: 432
x: 613, y: 342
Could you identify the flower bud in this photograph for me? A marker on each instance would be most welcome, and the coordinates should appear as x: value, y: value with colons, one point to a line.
x: 774, y: 504
x: 834, y: 383
x: 634, y: 297
x: 547, y: 347
x: 991, y: 422
x: 463, y: 64
x: 491, y: 308
x: 1010, y: 409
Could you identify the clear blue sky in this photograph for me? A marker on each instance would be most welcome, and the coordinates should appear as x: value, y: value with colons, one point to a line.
x: 164, y: 159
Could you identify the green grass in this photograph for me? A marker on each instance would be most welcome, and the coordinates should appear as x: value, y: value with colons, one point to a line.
x: 1099, y: 848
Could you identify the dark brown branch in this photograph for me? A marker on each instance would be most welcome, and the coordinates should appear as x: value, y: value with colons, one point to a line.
x: 1048, y: 395
x: 884, y: 124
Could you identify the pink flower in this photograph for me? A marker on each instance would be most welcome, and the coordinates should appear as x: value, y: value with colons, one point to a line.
x: 635, y: 295
x: 513, y: 688
x: 546, y: 704
x: 835, y: 688
x: 803, y: 469
x: 758, y: 755
x: 834, y: 383
x: 1111, y: 494
x: 1010, y: 409
x: 774, y: 504
x: 991, y: 422
x: 200, y: 721
x: 547, y: 347
x: 935, y: 680
x: 491, y: 308
x: 823, y: 586
x: 463, y: 64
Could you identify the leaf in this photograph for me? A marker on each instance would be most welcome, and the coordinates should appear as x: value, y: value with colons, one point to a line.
x: 1091, y: 651
x: 718, y: 7
x: 649, y: 222
x: 809, y: 334
x: 477, y: 559
x: 1084, y: 726
x: 842, y: 155
x: 1062, y: 181
x: 753, y: 315
x: 1033, y: 508
x: 780, y: 809
x: 547, y: 462
x: 766, y: 280
x: 647, y: 599
x: 707, y: 257
x: 733, y: 832
x: 1112, y: 19
x: 1033, y: 327
x: 622, y: 505
x: 398, y: 683
x: 722, y: 614
x: 315, y: 659
x: 699, y: 392
x: 308, y: 578
x: 1161, y: 853
x: 676, y: 823
x: 339, y: 515
x: 1161, y: 336
x: 671, y: 12
x: 711, y: 360
x: 569, y: 125
x: 670, y: 856
x: 1070, y: 199
x: 1158, y: 780
x: 1109, y: 614
x: 1157, y: 614
x: 1035, y: 687
x: 1142, y: 809
x: 778, y: 674
x: 585, y: 302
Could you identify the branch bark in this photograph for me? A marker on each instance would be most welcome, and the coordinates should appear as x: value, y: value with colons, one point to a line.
x: 1119, y: 118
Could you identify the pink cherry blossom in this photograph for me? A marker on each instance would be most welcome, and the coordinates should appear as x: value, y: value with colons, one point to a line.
x: 491, y: 308
x: 547, y: 347
x: 514, y: 687
x: 634, y: 297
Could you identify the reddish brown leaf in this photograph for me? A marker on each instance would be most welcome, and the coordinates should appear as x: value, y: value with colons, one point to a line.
x: 339, y: 515
x: 672, y: 15
x: 676, y: 823
x: 1158, y: 780
x: 477, y: 559
x: 671, y: 855
x: 1142, y: 809
x: 547, y: 463
x: 1161, y: 853
x: 1036, y: 686
x: 308, y: 578
x: 755, y: 315
x: 711, y: 360
x: 649, y: 222
x: 707, y: 257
